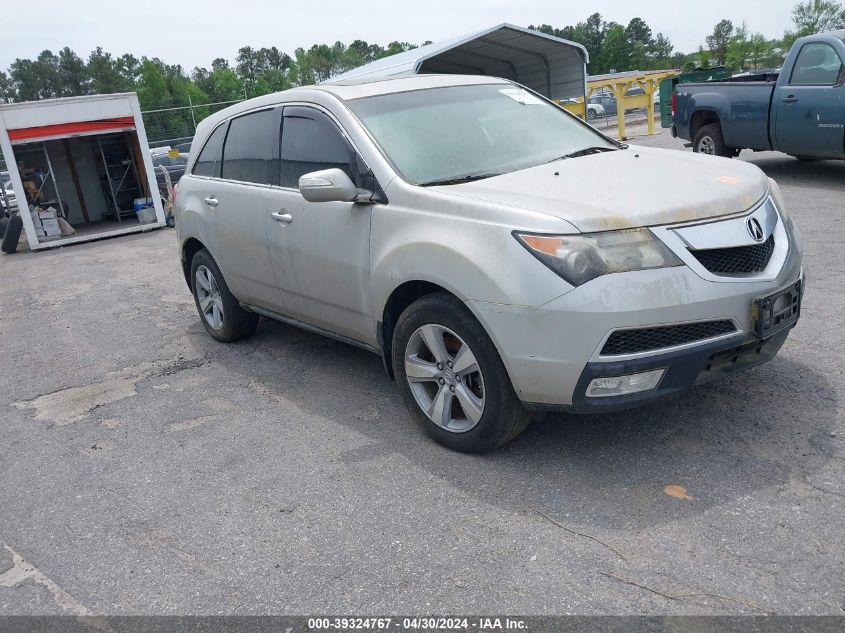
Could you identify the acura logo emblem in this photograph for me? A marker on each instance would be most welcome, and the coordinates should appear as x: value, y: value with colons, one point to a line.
x: 754, y: 229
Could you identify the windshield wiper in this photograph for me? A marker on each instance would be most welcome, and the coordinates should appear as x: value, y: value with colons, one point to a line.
x: 591, y: 150
x: 588, y: 150
x: 457, y: 181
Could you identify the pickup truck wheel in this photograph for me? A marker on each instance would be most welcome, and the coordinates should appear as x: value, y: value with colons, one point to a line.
x: 709, y: 140
x: 452, y: 378
x: 591, y: 114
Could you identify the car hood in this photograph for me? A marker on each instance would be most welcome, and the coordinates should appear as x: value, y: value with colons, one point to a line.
x: 626, y: 189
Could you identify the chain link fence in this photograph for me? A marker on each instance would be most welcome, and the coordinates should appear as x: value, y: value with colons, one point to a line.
x: 176, y: 125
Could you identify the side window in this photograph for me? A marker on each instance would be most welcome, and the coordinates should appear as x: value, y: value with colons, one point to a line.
x: 818, y: 64
x: 208, y: 162
x: 250, y: 153
x: 311, y: 144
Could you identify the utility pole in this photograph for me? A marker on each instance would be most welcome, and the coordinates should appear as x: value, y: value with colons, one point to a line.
x: 193, y: 116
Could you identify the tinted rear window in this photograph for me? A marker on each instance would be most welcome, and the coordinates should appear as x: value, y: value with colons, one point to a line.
x: 251, y: 148
x: 208, y: 162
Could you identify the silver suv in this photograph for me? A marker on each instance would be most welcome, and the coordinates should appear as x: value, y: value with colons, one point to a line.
x: 500, y: 255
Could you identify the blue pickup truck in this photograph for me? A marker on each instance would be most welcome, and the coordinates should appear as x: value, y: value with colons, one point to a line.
x: 799, y: 110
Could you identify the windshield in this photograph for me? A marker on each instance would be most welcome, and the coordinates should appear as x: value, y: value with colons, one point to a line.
x: 461, y: 132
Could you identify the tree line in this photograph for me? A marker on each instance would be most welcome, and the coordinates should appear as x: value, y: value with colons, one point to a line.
x: 613, y: 47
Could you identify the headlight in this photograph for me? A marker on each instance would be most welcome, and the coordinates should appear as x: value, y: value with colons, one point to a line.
x: 777, y: 199
x: 580, y: 258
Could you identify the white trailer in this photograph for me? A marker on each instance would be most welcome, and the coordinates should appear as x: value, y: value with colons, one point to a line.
x: 84, y: 160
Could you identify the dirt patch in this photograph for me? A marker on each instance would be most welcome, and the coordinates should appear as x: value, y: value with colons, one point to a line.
x: 75, y: 403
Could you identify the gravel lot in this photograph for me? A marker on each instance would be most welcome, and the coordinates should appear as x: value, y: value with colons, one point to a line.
x: 148, y: 469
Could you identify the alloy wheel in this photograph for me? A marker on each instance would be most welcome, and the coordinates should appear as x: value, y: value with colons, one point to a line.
x: 209, y: 298
x: 707, y: 146
x: 445, y: 378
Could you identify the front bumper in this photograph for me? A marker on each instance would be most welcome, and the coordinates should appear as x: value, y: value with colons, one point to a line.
x: 552, y: 351
x: 684, y: 369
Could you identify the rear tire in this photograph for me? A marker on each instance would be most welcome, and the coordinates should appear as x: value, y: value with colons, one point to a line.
x: 219, y: 311
x: 12, y: 235
x: 709, y: 140
x: 478, y: 408
x: 592, y: 114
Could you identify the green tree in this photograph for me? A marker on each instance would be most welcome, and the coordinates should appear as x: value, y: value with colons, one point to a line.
x: 302, y: 74
x: 718, y: 40
x: 638, y: 31
x: 739, y: 48
x: 817, y: 16
x: 152, y: 85
x: 73, y: 73
x: 614, y: 50
x: 106, y: 76
x: 703, y: 58
x: 661, y: 52
x: 7, y: 89
x: 24, y: 77
x: 761, y: 51
x: 247, y: 67
x: 47, y: 71
x: 591, y: 35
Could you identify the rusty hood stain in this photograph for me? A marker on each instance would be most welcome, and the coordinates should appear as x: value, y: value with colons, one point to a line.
x: 626, y: 189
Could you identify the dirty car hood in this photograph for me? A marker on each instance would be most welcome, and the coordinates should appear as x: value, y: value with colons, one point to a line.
x: 624, y: 189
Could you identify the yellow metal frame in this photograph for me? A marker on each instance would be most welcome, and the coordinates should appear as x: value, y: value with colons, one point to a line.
x: 619, y: 85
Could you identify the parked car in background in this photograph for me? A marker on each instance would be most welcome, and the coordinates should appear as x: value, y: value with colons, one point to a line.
x: 798, y: 110
x: 498, y: 254
x: 594, y: 110
x: 174, y: 165
x: 8, y: 195
x: 606, y: 101
x: 636, y: 90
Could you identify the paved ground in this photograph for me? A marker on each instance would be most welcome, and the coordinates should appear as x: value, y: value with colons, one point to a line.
x: 148, y: 469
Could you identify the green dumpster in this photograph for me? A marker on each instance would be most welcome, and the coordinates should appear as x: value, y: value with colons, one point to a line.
x: 667, y: 87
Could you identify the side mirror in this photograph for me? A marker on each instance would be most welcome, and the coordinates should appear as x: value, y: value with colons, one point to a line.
x: 327, y: 185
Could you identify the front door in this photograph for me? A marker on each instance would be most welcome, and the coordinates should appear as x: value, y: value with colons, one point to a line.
x: 809, y: 112
x: 320, y: 250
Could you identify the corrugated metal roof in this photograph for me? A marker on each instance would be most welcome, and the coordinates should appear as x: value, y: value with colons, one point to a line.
x: 550, y: 65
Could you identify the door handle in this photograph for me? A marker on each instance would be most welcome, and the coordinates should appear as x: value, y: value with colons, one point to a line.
x: 789, y: 99
x: 282, y: 216
x: 212, y: 201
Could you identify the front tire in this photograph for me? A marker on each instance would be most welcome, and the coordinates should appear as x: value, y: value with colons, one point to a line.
x: 709, y: 140
x: 452, y: 378
x: 219, y: 311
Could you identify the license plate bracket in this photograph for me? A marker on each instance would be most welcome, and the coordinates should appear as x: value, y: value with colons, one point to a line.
x: 777, y: 312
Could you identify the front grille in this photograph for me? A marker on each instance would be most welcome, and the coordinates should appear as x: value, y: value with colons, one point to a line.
x: 741, y: 260
x: 651, y: 338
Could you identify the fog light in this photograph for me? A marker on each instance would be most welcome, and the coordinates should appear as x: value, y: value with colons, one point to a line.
x: 624, y: 385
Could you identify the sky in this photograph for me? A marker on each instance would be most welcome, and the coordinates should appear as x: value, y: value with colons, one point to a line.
x: 193, y: 33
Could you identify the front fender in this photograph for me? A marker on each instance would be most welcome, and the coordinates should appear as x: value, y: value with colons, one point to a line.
x: 474, y: 261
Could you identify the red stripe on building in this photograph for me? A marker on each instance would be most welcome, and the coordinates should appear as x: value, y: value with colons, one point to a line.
x: 69, y: 129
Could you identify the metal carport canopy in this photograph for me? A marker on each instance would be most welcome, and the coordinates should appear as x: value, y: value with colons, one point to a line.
x: 549, y: 65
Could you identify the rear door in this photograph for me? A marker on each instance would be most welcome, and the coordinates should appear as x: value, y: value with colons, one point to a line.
x: 808, y: 107
x: 237, y: 200
x: 320, y: 250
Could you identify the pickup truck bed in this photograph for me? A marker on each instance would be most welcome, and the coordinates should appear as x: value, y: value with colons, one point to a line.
x: 740, y: 107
